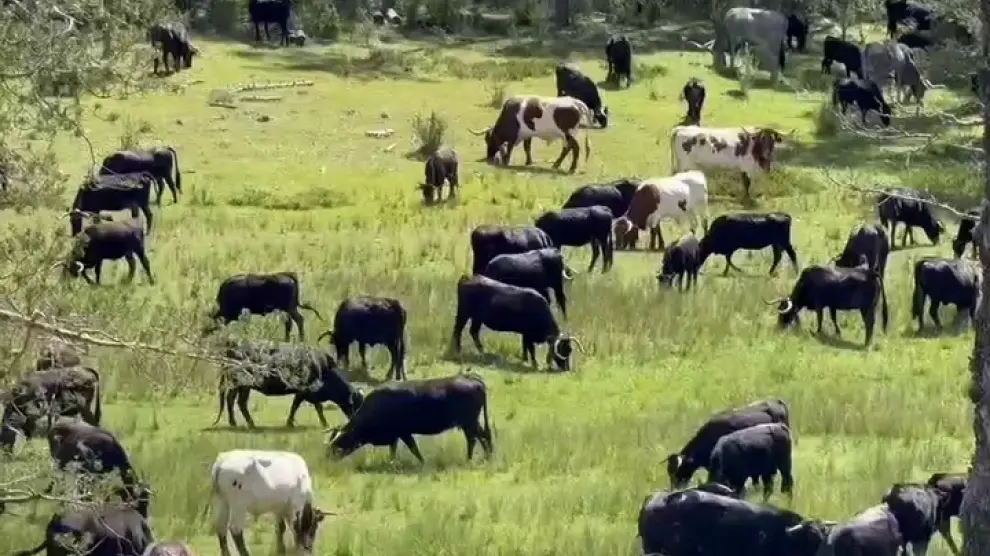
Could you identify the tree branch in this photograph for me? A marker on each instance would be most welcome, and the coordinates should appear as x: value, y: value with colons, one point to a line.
x: 878, y: 191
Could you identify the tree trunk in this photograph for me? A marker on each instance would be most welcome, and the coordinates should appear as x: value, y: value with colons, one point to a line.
x: 976, y: 503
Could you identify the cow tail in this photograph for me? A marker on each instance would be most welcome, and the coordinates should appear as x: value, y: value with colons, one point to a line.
x: 883, y: 298
x: 587, y: 146
x: 918, y: 298
x: 97, y: 406
x: 175, y: 164
x: 33, y: 551
x: 309, y: 307
x: 484, y: 415
x: 220, y: 387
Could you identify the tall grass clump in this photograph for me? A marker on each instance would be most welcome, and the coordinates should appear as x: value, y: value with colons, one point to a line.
x: 827, y: 123
x: 429, y: 132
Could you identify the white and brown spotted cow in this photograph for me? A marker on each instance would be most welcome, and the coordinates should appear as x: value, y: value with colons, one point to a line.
x: 524, y: 117
x: 656, y: 199
x: 701, y: 148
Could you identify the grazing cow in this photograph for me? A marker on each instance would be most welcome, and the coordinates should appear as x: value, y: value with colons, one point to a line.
x: 908, y: 206
x: 168, y: 549
x: 106, y: 530
x: 260, y: 294
x: 954, y: 486
x: 112, y: 192
x: 749, y: 231
x: 759, y: 453
x: 57, y: 392
x: 700, y: 148
x: 909, y: 80
x: 618, y: 54
x: 682, y: 257
x: 882, y: 60
x: 797, y: 29
x: 837, y: 289
x: 441, y: 167
x: 258, y: 482
x: 524, y: 117
x: 764, y: 30
x: 263, y: 12
x: 488, y: 242
x: 902, y: 10
x: 694, y: 94
x: 399, y: 410
x: 873, y: 532
x: 914, y: 39
x: 616, y: 195
x: 677, y: 196
x: 173, y: 40
x: 866, y: 95
x: 848, y: 54
x: 866, y: 242
x: 157, y: 161
x: 308, y: 374
x: 945, y: 281
x: 691, y: 522
x: 370, y: 321
x: 104, y: 241
x: 571, y: 82
x: 920, y: 511
x: 57, y: 355
x: 540, y: 269
x: 506, y: 308
x: 580, y: 226
x: 696, y: 453
x: 626, y: 237
x: 965, y: 234
x: 93, y: 449
x: 297, y: 37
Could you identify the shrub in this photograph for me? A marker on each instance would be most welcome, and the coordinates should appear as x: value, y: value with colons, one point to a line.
x: 429, y: 132
x: 827, y: 123
x: 496, y: 92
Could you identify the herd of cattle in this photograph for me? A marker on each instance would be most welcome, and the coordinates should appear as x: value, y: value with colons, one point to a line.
x: 514, y: 271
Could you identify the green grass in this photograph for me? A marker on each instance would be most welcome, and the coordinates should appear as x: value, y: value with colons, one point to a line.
x: 307, y: 191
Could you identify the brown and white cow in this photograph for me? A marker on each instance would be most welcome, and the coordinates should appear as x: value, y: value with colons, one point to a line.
x: 524, y: 117
x: 678, y: 196
x: 702, y: 148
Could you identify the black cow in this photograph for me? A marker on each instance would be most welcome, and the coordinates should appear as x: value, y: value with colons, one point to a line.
x: 263, y: 12
x: 797, y: 29
x: 680, y: 258
x: 902, y: 10
x: 866, y: 242
x: 488, y: 242
x: 52, y: 392
x: 173, y: 40
x: 441, y: 167
x: 260, y: 294
x: 573, y: 83
x: 920, y: 511
x: 974, y: 83
x: 866, y: 95
x: 505, y: 308
x: 954, y: 485
x: 964, y: 236
x: 945, y: 281
x: 92, y: 449
x: 108, y: 241
x: 750, y: 231
x: 157, y: 161
x: 399, y: 410
x: 837, y: 289
x: 580, y: 226
x: 370, y: 321
x: 873, y: 532
x: 692, y: 522
x: 915, y: 39
x: 697, y: 452
x: 57, y: 355
x: 758, y: 453
x: 109, y: 530
x: 112, y: 192
x: 616, y: 195
x: 297, y: 37
x: 694, y: 94
x: 618, y: 54
x: 909, y: 207
x: 541, y: 269
x: 848, y: 54
x: 308, y: 374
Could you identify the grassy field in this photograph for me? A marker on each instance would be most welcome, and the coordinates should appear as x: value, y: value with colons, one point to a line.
x: 296, y: 185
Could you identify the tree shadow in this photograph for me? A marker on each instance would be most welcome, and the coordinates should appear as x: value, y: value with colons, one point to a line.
x: 381, y: 64
x: 535, y: 169
x: 241, y: 428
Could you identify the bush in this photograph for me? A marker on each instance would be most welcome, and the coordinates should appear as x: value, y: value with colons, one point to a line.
x: 429, y: 132
x: 827, y: 123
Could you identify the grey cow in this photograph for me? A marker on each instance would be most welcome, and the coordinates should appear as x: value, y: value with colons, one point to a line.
x: 893, y: 59
x: 764, y: 30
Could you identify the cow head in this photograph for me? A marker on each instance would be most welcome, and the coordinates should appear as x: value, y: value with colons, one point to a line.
x: 343, y: 441
x: 72, y: 268
x: 806, y: 537
x: 493, y: 148
x: 187, y: 57
x: 787, y: 311
x: 304, y: 527
x: 560, y: 351
x: 679, y: 470
x: 624, y: 230
x: 627, y: 239
x: 764, y: 141
x: 933, y: 228
x: 427, y: 190
x: 601, y: 117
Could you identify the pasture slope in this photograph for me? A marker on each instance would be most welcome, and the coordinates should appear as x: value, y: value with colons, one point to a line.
x: 575, y: 454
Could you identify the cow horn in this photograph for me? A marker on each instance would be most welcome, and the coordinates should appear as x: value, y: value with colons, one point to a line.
x: 931, y: 85
x: 482, y: 132
x: 578, y: 343
x: 565, y: 272
x: 556, y: 348
x: 794, y: 529
x: 787, y: 308
x: 79, y: 267
x: 773, y: 301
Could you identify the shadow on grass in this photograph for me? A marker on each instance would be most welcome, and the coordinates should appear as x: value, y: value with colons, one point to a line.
x: 672, y: 37
x: 839, y: 342
x: 263, y: 429
x: 382, y: 63
x: 514, y: 365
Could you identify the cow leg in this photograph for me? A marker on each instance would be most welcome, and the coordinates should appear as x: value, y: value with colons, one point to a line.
x: 363, y: 351
x: 257, y: 32
x: 294, y: 316
x: 767, y: 485
x: 131, y: 268
x: 746, y: 183
x: 920, y: 548
x: 595, y: 249
x: 159, y: 189
x: 869, y: 321
x: 527, y: 148
x: 410, y: 443
x: 98, y: 271
x: 791, y: 255
x: 221, y: 513
x: 455, y: 340
x: 394, y: 366
x: 933, y: 312
x: 475, y: 332
x: 778, y: 253
x: 835, y: 322
x: 945, y: 530
x: 238, y: 535
x: 529, y: 351
x: 145, y: 264
x: 573, y: 147
x: 471, y: 435
x: 242, y: 404
x: 297, y: 400
x: 229, y: 396
x: 818, y: 313
x: 171, y: 187
x: 563, y: 153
